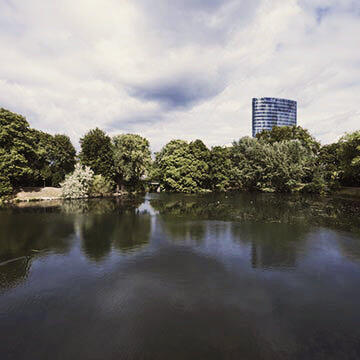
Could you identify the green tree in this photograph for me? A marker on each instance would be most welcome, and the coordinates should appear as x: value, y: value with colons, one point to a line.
x: 220, y: 168
x: 132, y: 160
x: 329, y: 161
x: 285, y: 133
x: 44, y: 149
x: 183, y: 167
x: 60, y: 160
x: 349, y: 157
x: 279, y: 167
x: 17, y: 151
x: 97, y: 152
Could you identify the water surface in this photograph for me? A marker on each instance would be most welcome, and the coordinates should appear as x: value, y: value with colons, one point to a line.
x: 240, y: 276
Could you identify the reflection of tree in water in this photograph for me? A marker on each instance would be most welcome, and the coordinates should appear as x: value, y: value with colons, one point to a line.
x: 350, y: 248
x: 273, y: 245
x: 264, y: 208
x: 190, y: 211
x: 274, y: 225
x: 27, y: 235
x: 100, y: 206
x: 104, y: 223
x: 14, y: 272
x: 96, y: 233
x: 23, y: 233
x: 125, y: 231
x: 131, y: 231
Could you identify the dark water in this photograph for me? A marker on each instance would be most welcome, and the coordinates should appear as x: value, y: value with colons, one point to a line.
x: 181, y: 277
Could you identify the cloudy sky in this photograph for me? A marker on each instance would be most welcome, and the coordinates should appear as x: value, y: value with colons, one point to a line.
x: 179, y: 68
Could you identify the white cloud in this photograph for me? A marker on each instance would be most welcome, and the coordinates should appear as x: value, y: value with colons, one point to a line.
x: 184, y: 69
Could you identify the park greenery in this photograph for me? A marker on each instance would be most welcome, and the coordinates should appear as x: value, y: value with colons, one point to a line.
x: 281, y: 160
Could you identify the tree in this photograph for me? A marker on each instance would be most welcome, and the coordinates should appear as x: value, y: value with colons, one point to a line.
x: 199, y: 166
x: 220, y: 168
x: 132, y: 160
x: 279, y: 167
x: 329, y: 161
x: 17, y: 152
x: 97, y: 152
x: 44, y: 148
x: 349, y: 158
x: 63, y: 160
x: 285, y: 133
x: 183, y: 167
x: 56, y: 157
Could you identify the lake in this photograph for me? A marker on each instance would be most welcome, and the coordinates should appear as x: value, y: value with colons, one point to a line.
x: 237, y: 276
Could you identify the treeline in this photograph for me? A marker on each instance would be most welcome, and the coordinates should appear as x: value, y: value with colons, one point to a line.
x: 30, y: 157
x: 285, y: 159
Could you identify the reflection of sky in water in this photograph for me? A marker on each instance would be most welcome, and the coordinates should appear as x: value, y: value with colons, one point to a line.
x: 171, y: 278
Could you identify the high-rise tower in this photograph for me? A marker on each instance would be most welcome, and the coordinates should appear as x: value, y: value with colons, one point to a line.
x: 269, y: 112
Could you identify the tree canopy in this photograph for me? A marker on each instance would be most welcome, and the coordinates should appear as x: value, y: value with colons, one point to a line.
x: 132, y: 159
x: 183, y: 167
x: 97, y: 153
x: 284, y: 159
x: 30, y: 157
x: 349, y: 158
x: 17, y: 150
x: 284, y: 133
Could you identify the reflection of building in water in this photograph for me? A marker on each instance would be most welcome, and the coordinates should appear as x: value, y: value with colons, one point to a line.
x: 266, y: 255
x: 272, y: 245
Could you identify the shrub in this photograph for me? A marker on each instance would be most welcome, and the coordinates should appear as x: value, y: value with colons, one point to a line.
x: 78, y: 184
x: 101, y: 186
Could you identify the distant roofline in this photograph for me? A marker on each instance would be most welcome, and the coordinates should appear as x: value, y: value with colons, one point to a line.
x: 273, y: 98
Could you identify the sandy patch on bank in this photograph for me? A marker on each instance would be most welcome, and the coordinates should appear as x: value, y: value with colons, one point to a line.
x: 38, y: 193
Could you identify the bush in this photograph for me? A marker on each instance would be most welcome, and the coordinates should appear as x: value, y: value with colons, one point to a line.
x: 78, y: 184
x: 101, y: 186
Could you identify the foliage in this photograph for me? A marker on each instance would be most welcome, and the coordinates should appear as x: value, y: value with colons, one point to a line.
x: 330, y: 163
x: 78, y: 184
x: 31, y: 157
x: 63, y: 158
x: 16, y: 149
x: 55, y: 157
x: 286, y: 133
x: 97, y: 152
x: 5, y: 186
x: 220, y: 168
x: 132, y: 160
x: 284, y: 159
x: 183, y: 167
x: 278, y: 167
x: 101, y: 186
x: 349, y: 158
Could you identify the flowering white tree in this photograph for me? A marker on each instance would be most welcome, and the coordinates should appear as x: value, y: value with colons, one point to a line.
x: 77, y: 184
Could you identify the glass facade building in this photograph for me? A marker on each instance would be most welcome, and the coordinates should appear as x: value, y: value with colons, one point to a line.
x: 269, y: 112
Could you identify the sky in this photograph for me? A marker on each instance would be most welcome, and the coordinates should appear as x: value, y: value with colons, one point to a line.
x: 179, y: 69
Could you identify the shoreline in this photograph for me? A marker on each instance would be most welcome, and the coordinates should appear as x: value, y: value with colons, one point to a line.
x: 49, y: 194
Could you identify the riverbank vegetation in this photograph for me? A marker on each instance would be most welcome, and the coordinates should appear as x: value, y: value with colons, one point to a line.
x: 283, y: 160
